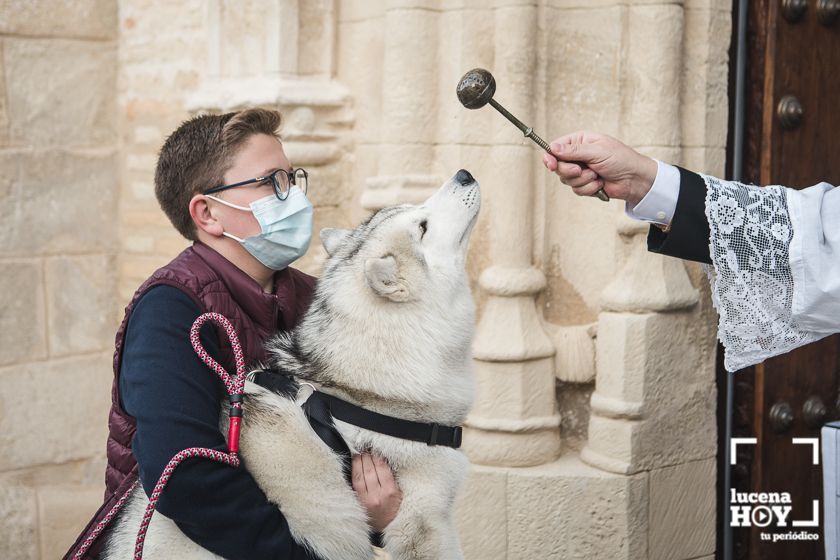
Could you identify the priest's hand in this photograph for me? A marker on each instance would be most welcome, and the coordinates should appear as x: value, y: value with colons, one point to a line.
x: 620, y: 170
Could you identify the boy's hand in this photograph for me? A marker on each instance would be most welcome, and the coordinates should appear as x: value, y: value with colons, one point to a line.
x: 620, y: 170
x: 374, y: 483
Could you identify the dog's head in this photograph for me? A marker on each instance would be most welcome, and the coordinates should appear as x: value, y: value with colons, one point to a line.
x: 408, y: 253
x: 392, y: 313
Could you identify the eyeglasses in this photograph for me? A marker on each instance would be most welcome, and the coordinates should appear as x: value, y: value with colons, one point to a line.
x: 281, y: 181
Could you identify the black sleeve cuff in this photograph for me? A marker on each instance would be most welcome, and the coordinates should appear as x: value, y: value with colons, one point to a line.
x: 688, y: 237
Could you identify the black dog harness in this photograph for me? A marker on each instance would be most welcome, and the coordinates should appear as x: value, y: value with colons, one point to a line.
x: 321, y: 408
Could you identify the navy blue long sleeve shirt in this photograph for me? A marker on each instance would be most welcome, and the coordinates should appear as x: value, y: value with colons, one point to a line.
x: 176, y: 401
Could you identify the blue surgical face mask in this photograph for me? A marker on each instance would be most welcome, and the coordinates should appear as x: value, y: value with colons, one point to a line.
x: 285, y: 228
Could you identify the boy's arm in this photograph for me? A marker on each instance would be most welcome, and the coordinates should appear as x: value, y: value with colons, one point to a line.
x: 176, y: 401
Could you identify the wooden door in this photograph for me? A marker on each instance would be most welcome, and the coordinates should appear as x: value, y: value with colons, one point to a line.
x: 793, y: 61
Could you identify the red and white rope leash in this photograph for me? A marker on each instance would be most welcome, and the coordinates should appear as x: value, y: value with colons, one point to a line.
x: 235, y: 387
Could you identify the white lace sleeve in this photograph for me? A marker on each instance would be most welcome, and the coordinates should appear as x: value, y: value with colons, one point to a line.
x: 752, y: 285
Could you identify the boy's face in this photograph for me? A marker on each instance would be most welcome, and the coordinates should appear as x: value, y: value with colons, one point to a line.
x: 260, y: 155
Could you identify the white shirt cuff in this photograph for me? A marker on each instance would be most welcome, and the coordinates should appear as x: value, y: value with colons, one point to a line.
x: 660, y: 202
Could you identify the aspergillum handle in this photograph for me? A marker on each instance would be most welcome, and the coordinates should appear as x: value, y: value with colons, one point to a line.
x: 529, y: 133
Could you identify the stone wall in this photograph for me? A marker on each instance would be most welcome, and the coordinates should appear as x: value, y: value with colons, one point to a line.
x: 161, y: 57
x: 58, y: 246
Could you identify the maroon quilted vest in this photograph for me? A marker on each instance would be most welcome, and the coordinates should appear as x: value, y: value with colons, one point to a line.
x: 215, y: 284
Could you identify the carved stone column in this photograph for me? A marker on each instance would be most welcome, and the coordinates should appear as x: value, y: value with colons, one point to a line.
x: 409, y: 99
x: 514, y: 421
x: 642, y: 332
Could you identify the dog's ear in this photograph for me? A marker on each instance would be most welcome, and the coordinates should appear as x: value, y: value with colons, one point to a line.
x: 381, y: 275
x: 331, y: 238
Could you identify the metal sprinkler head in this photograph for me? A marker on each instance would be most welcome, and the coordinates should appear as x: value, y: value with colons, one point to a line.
x: 476, y: 88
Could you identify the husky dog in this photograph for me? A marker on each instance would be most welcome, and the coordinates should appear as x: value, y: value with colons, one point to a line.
x: 389, y: 329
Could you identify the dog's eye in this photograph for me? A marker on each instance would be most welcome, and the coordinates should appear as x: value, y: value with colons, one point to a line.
x: 423, y: 228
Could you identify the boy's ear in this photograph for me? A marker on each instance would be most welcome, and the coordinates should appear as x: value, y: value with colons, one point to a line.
x: 331, y: 238
x: 203, y: 218
x: 381, y: 276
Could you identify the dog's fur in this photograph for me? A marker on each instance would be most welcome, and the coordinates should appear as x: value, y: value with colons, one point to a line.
x: 389, y: 328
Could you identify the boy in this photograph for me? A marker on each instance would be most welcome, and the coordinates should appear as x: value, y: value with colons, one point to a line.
x: 225, y: 183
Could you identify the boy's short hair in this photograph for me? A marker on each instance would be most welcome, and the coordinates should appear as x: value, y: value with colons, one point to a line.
x: 196, y: 156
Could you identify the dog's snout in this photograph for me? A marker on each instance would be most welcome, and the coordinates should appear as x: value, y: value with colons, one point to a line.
x: 464, y: 178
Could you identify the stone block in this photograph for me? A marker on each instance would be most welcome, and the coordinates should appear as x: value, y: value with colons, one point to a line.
x: 328, y: 185
x: 662, y: 367
x: 52, y: 412
x: 560, y: 302
x: 134, y: 270
x: 466, y: 36
x: 706, y: 160
x: 358, y: 10
x: 668, y: 154
x: 148, y: 134
x: 651, y: 74
x: 141, y: 161
x: 705, y: 78
x: 87, y: 472
x: 87, y: 19
x: 582, y: 86
x: 248, y: 48
x: 621, y: 356
x: 502, y: 3
x: 63, y: 202
x: 409, y: 101
x: 143, y: 190
x: 358, y: 63
x: 80, y: 303
x: 135, y: 217
x: 317, y: 33
x: 480, y: 160
x: 9, y: 188
x: 461, y: 5
x: 507, y: 200
x: 680, y: 394
x: 613, y: 444
x: 23, y: 327
x: 61, y: 92
x: 400, y: 5
x: 567, y: 509
x: 571, y: 5
x: 514, y: 390
x: 648, y: 282
x: 63, y: 511
x: 683, y: 510
x: 514, y: 68
x: 585, y: 250
x: 481, y: 513
x: 18, y: 521
x: 142, y: 244
x: 361, y: 165
x: 169, y: 245
x: 4, y: 109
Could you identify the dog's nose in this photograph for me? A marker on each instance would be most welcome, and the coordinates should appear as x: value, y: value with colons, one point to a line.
x: 463, y: 176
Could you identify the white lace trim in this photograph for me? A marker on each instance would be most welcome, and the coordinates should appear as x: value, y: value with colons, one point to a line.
x: 752, y: 285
